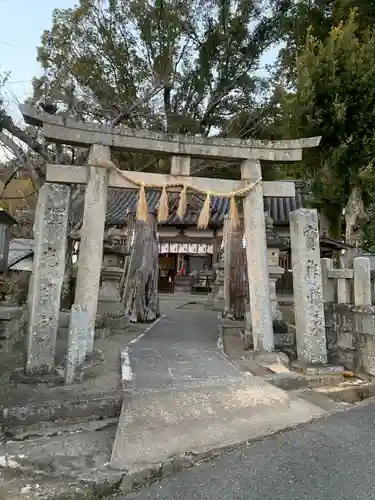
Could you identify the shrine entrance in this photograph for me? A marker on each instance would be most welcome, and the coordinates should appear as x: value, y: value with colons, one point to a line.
x: 100, y: 174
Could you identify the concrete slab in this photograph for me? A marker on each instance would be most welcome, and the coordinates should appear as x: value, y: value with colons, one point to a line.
x: 278, y: 368
x: 188, y: 398
x: 155, y: 426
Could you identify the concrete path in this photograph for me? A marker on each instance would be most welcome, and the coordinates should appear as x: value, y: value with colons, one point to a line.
x: 331, y: 458
x: 180, y: 351
x: 170, y: 301
x: 187, y: 397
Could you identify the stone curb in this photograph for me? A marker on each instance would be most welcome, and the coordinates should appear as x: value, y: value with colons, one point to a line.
x: 108, y: 482
x: 220, y: 340
x: 32, y: 413
x: 132, y: 481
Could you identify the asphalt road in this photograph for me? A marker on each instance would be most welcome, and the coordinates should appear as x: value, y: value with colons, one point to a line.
x: 331, y: 459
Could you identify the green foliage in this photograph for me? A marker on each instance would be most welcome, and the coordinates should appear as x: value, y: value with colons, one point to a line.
x: 318, y: 17
x: 335, y: 98
x: 200, y: 54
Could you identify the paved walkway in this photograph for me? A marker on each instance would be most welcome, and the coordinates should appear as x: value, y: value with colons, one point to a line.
x: 186, y: 396
x: 332, y: 458
x: 181, y: 351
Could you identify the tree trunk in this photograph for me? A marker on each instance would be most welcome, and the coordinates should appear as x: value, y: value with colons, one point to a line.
x: 140, y: 296
x: 239, y: 272
x: 234, y: 266
x: 354, y: 217
x: 67, y: 298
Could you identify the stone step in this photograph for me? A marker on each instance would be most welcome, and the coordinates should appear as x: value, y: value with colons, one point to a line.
x: 24, y: 414
x: 59, y: 428
x: 321, y: 400
x: 198, y: 419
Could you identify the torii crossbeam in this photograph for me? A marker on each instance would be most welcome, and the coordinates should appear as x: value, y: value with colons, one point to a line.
x: 102, y: 139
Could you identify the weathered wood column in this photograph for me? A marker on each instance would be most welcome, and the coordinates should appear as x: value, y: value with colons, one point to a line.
x: 92, y: 233
x: 141, y: 295
x: 50, y: 229
x: 234, y: 269
x: 257, y: 262
x: 228, y: 242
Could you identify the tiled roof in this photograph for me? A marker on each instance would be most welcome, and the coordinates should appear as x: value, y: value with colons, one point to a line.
x: 122, y: 202
x: 19, y: 249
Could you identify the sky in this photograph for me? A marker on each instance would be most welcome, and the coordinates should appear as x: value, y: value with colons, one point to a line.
x: 21, y: 25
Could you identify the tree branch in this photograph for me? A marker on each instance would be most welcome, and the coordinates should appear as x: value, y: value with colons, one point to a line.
x: 8, y: 124
x: 35, y: 174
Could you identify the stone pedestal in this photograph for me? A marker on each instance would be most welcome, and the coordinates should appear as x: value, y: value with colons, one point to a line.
x: 50, y: 228
x: 109, y: 300
x: 275, y: 273
x: 274, y: 243
x: 112, y: 275
x: 308, y: 288
x: 219, y: 292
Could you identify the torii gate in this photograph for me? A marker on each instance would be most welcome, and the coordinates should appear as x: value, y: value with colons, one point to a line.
x: 53, y: 206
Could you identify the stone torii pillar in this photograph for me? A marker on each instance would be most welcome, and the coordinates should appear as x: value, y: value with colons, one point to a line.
x: 257, y: 260
x: 92, y: 235
x: 181, y: 148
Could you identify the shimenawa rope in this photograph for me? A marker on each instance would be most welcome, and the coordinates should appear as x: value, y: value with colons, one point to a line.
x: 163, y: 210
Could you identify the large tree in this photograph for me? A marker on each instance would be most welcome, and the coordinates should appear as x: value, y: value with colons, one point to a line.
x: 183, y: 66
x: 335, y: 97
x: 317, y: 17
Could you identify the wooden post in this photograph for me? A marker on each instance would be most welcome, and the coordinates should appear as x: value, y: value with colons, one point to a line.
x: 228, y: 243
x: 141, y: 296
x: 238, y: 273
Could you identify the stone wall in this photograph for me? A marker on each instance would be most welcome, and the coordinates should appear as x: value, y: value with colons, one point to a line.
x: 350, y: 332
x: 13, y: 322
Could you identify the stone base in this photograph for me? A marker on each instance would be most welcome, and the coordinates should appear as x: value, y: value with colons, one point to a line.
x: 48, y: 378
x: 317, y: 369
x: 270, y: 358
x: 248, y: 340
x: 283, y: 339
x: 109, y: 307
x: 105, y: 324
x: 218, y: 305
x: 116, y: 321
x: 102, y: 333
x: 282, y: 336
x: 64, y: 320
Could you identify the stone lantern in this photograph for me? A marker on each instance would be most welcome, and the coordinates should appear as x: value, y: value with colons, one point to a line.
x: 274, y: 244
x: 114, y: 253
x: 6, y: 220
